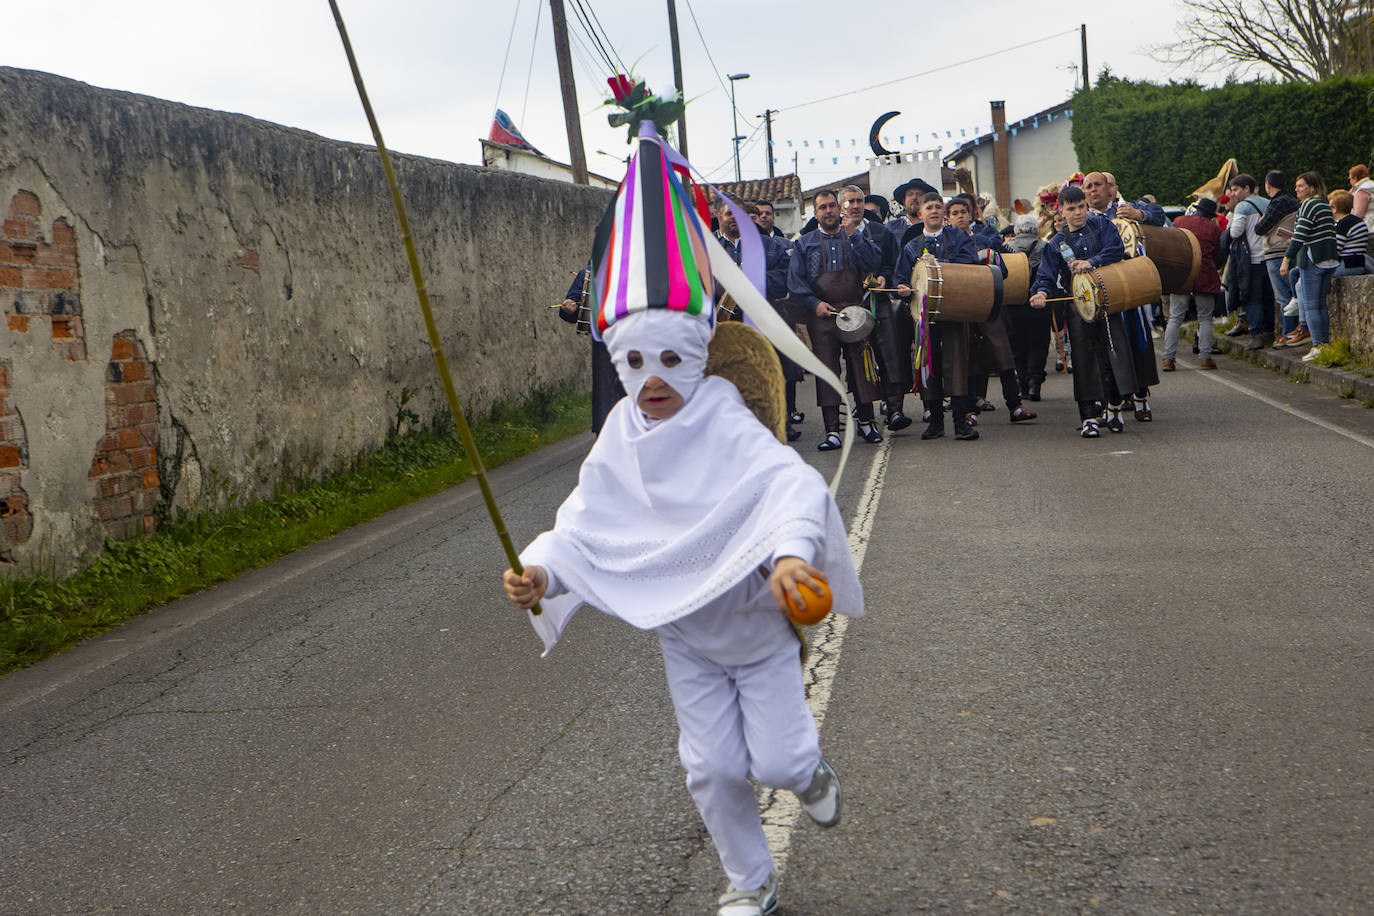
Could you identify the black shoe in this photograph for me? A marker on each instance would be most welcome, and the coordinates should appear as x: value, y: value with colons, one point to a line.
x: 1114, y: 421
x: 1033, y: 390
x: 793, y: 434
x: 869, y: 431
x: 935, y: 429
x: 798, y: 416
x: 963, y: 429
x: 829, y: 443
x: 897, y: 420
x: 1239, y: 330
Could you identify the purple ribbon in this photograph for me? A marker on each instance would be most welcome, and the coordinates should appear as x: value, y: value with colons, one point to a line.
x: 751, y: 243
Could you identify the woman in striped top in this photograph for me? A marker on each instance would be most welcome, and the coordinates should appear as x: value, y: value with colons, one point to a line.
x: 1313, y: 252
x: 1352, y: 236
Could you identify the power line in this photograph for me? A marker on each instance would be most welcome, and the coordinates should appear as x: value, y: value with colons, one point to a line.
x: 529, y: 73
x: 902, y: 79
x: 604, y: 34
x: 591, y: 33
x: 501, y: 82
x: 714, y: 69
x: 744, y: 144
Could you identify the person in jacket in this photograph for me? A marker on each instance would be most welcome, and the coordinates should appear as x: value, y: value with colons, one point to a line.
x: 1201, y: 221
x: 1313, y: 251
x: 1276, y: 228
x: 1248, y: 275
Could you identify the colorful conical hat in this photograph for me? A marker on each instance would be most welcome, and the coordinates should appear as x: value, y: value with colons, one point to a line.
x: 650, y: 249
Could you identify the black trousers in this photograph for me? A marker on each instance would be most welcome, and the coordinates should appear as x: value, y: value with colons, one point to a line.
x: 1030, y: 340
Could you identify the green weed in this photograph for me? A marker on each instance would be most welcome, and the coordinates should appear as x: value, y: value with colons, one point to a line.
x: 43, y: 614
x: 1335, y: 353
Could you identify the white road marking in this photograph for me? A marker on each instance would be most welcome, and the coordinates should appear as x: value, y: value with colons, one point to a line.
x: 780, y: 808
x: 1279, y: 405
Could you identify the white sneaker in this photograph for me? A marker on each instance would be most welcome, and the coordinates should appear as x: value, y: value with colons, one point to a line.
x: 1312, y: 354
x: 758, y: 902
x: 822, y: 799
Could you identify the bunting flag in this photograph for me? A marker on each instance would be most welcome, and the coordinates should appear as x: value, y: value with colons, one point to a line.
x: 503, y: 130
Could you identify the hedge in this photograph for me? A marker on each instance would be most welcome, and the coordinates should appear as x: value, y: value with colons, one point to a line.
x: 1168, y: 140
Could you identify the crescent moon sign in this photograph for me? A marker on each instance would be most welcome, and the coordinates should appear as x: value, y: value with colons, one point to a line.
x: 873, y: 142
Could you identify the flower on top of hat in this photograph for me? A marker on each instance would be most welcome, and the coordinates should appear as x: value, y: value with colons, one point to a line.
x: 638, y: 104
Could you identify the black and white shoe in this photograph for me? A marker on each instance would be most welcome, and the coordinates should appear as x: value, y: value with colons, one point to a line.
x: 798, y: 416
x: 1089, y: 429
x: 869, y: 431
x: 897, y: 420
x: 1113, y: 418
x: 829, y: 443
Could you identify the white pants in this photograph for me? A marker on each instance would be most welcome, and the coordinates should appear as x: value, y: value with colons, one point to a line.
x: 739, y: 721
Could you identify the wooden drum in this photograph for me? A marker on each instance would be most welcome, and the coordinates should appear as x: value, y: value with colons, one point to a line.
x: 957, y: 292
x: 1176, y: 255
x: 1115, y: 288
x: 1016, y: 287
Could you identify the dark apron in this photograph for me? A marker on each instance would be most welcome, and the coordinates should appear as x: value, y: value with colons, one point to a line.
x: 840, y: 288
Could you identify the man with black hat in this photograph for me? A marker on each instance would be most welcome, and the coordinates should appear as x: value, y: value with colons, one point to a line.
x: 909, y: 195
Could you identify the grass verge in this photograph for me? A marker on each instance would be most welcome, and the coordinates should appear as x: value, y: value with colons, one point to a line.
x: 43, y: 614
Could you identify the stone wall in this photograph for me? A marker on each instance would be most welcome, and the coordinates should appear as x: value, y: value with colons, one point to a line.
x: 190, y: 296
x: 1351, y: 303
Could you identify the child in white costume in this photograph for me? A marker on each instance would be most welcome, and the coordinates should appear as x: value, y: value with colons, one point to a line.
x: 690, y: 518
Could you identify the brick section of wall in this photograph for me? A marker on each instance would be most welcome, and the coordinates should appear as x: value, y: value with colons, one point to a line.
x: 15, y: 522
x: 124, y: 469
x: 40, y: 281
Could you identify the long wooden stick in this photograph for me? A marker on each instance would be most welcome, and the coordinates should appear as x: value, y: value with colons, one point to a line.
x: 435, y: 346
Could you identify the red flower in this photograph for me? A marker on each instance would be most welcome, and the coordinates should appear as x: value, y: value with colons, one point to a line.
x: 621, y: 87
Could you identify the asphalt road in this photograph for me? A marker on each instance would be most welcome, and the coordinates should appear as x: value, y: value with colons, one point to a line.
x: 1128, y: 675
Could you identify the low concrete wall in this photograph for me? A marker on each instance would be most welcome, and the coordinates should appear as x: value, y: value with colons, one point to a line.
x: 1351, y: 304
x: 191, y: 294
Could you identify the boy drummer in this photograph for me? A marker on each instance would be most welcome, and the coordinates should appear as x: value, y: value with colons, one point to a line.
x: 1087, y: 241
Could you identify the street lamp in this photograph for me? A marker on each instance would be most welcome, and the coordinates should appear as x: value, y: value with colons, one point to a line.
x: 734, y: 117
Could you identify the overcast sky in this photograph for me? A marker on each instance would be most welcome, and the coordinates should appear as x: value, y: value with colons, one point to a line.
x: 433, y: 67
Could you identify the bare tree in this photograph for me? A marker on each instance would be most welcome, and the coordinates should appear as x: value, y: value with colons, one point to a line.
x: 1302, y: 40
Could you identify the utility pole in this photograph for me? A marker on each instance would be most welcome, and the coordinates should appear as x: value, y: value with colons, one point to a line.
x: 734, y: 116
x: 768, y: 135
x: 565, y: 78
x: 677, y: 76
x: 1087, y: 74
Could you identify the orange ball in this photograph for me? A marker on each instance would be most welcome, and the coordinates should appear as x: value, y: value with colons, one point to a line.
x: 816, y: 604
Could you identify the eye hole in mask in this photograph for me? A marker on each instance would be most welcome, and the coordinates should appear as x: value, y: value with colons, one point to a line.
x: 668, y: 358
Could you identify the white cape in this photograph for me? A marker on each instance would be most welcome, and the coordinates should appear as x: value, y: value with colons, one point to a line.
x: 667, y: 518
